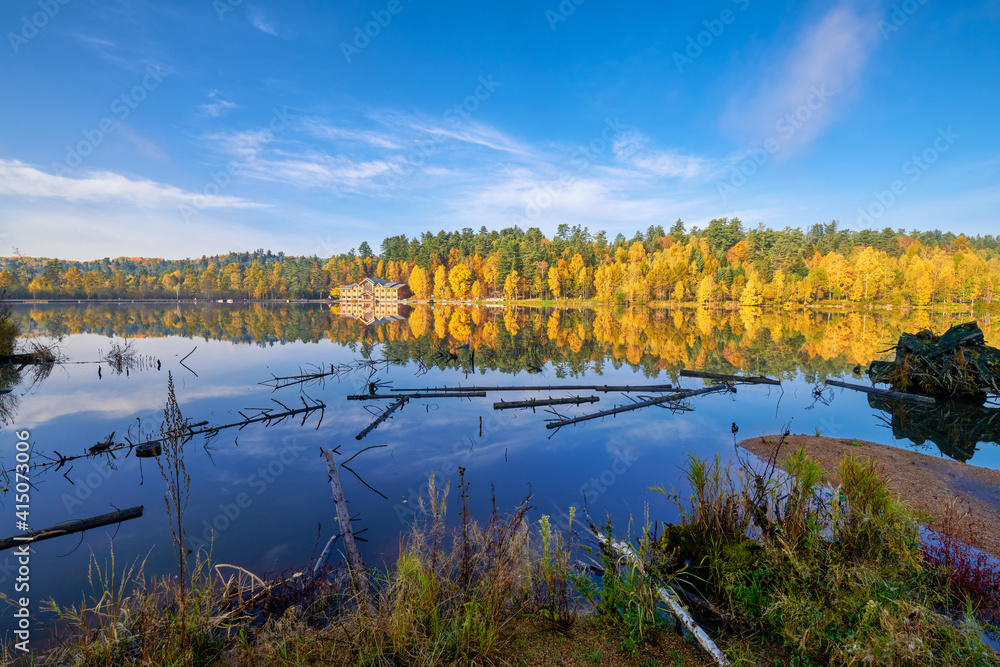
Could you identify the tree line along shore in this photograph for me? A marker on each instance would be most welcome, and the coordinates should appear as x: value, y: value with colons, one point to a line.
x: 722, y: 263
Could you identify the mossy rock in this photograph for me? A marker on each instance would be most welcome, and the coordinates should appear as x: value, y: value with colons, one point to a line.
x: 685, y: 540
x: 956, y: 364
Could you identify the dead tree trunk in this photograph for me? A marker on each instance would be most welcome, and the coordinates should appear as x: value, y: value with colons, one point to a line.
x: 396, y: 397
x: 381, y: 418
x: 355, y: 565
x: 637, y: 405
x: 910, y: 398
x: 536, y: 402
x: 555, y: 387
x: 71, y: 527
x: 729, y: 378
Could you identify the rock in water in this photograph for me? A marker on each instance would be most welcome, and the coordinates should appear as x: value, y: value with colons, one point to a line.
x: 957, y: 364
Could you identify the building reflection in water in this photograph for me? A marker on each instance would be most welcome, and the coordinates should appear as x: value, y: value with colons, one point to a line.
x: 375, y: 312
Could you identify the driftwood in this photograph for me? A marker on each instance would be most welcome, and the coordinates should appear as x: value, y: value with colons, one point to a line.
x: 149, y: 448
x: 381, y: 418
x: 730, y: 378
x: 536, y: 402
x: 898, y: 395
x: 573, y: 387
x: 670, y: 599
x: 22, y: 360
x: 396, y: 397
x: 637, y: 405
x: 70, y: 527
x: 354, y: 562
x: 321, y: 372
x: 323, y: 554
x: 616, y: 550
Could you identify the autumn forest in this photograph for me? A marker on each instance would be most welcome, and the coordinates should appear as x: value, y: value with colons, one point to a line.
x: 723, y: 263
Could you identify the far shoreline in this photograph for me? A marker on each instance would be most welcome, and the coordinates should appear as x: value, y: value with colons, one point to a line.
x: 979, y: 309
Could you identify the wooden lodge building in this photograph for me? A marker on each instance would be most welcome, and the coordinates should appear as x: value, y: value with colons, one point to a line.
x: 374, y: 289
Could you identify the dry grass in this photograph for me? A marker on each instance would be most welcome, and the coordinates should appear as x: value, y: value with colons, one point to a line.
x: 838, y: 580
x: 452, y: 597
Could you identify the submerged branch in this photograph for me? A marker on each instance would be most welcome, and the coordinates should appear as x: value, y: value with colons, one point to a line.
x: 639, y: 404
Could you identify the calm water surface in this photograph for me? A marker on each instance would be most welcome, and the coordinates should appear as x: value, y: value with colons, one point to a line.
x: 261, y: 495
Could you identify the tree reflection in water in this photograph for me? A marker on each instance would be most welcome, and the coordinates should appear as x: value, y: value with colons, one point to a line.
x: 956, y: 427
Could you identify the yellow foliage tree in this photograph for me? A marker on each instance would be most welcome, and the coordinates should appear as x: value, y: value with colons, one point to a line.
x: 867, y: 275
x: 752, y: 293
x: 512, y: 285
x: 459, y: 278
x: 441, y: 288
x: 491, y: 272
x: 419, y: 283
x: 705, y: 289
x: 678, y: 294
x: 555, y: 282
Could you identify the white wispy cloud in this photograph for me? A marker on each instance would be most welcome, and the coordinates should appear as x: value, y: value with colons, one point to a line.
x: 361, y: 157
x: 632, y: 148
x: 315, y: 170
x: 815, y: 79
x: 608, y: 198
x: 217, y: 106
x: 475, y: 172
x: 84, y: 230
x: 19, y: 179
x: 327, y: 131
x: 472, y: 133
x: 258, y: 21
x: 145, y: 147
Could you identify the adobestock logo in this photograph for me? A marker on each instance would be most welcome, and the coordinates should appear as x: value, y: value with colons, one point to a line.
x: 219, y: 181
x: 545, y: 194
x: 915, y: 168
x: 899, y: 16
x: 455, y: 117
x: 363, y: 35
x: 121, y: 108
x: 562, y: 12
x: 714, y: 28
x: 785, y: 128
x: 31, y: 26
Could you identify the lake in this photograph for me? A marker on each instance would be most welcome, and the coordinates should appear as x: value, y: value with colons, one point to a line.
x: 260, y: 496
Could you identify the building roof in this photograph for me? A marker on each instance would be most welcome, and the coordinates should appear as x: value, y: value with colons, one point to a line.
x: 375, y: 281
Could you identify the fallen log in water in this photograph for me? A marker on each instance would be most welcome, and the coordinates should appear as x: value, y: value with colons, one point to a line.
x: 354, y: 563
x: 396, y: 397
x: 898, y: 395
x: 321, y: 372
x: 381, y: 418
x: 639, y: 404
x: 730, y: 378
x: 28, y: 359
x: 70, y: 527
x: 565, y: 387
x: 536, y: 402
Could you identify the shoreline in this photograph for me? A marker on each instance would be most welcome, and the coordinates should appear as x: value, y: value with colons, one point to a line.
x: 924, y: 482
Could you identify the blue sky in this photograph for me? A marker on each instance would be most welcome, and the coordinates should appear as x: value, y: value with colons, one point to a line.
x: 201, y: 126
